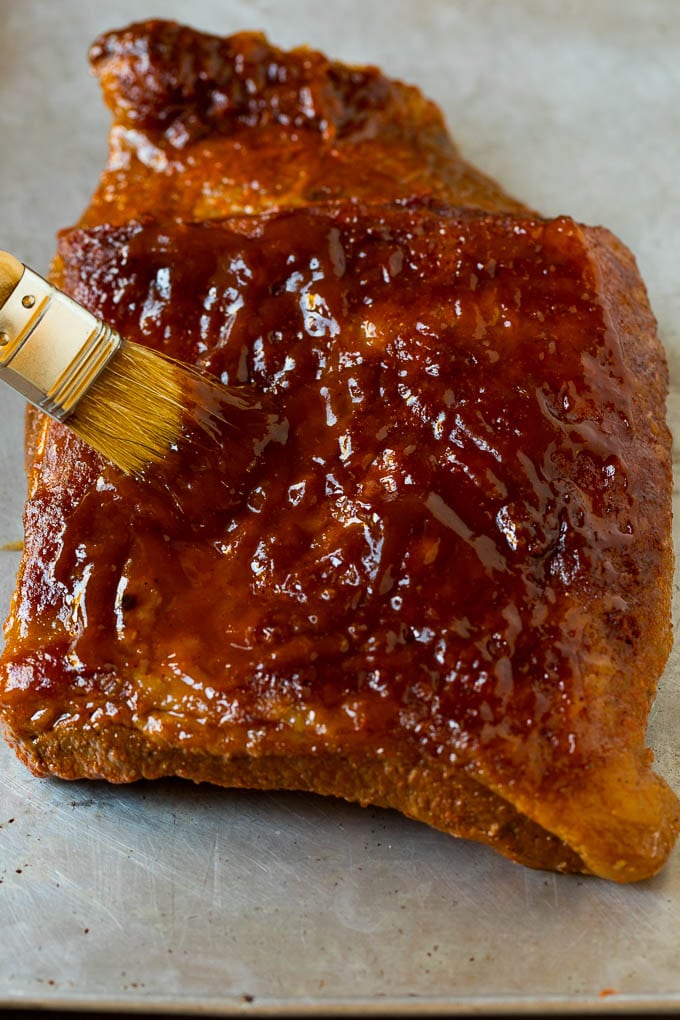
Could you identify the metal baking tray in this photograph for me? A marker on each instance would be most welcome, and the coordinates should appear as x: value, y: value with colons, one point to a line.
x: 170, y: 897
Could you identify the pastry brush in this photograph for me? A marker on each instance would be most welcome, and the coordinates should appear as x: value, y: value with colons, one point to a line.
x: 131, y: 404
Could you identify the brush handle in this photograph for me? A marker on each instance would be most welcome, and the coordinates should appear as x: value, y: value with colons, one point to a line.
x: 51, y: 348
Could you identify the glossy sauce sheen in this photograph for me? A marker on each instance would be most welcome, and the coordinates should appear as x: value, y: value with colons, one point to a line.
x: 412, y: 559
x: 206, y: 126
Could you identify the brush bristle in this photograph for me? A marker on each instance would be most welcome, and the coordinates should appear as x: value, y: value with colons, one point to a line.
x: 11, y: 271
x: 135, y: 410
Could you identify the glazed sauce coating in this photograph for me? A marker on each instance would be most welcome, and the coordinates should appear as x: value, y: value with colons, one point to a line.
x: 442, y: 583
x: 412, y: 560
x: 206, y: 126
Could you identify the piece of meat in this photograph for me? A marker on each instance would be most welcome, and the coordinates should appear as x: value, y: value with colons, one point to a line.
x: 446, y: 590
x: 205, y: 126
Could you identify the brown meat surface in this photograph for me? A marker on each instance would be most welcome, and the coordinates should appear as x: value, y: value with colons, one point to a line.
x: 446, y: 588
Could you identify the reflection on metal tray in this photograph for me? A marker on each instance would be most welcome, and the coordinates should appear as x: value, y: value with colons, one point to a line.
x: 167, y: 895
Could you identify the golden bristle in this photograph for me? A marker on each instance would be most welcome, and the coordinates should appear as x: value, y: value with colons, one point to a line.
x: 11, y: 271
x: 142, y: 406
x: 135, y: 410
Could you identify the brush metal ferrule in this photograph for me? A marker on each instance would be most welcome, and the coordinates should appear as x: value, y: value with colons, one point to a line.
x: 51, y: 349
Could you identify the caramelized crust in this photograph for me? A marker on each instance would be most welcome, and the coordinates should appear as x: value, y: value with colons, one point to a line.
x: 205, y: 126
x: 446, y: 588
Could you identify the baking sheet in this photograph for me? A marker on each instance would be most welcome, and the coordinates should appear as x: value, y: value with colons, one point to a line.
x: 165, y: 896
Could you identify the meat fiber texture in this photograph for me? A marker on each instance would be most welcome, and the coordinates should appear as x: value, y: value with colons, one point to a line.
x: 444, y: 586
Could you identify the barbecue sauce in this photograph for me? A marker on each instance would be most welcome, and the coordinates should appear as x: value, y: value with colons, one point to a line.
x: 412, y: 558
